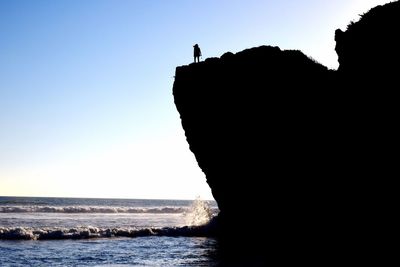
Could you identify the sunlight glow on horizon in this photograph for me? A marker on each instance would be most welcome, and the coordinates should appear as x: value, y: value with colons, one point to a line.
x: 86, y: 106
x: 113, y: 173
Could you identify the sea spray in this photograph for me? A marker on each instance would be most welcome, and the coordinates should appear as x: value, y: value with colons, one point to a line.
x: 199, y: 213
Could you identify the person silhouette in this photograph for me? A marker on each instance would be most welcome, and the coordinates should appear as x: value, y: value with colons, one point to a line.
x: 196, y: 53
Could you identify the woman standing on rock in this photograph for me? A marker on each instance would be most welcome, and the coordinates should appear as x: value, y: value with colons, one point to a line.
x: 196, y: 53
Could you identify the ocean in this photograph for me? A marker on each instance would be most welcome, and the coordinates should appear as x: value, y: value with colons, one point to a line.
x: 104, y: 232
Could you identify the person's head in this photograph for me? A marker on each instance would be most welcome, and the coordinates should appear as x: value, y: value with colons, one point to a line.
x: 196, y: 45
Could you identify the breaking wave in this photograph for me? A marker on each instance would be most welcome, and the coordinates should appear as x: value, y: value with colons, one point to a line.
x: 28, y: 233
x: 199, y: 213
x: 89, y: 209
x: 198, y: 218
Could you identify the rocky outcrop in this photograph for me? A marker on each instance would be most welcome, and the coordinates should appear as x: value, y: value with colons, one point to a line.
x: 369, y: 49
x: 369, y: 56
x: 288, y: 146
x: 258, y: 123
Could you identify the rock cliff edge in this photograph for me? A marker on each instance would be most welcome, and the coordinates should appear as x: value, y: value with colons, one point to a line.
x: 296, y: 155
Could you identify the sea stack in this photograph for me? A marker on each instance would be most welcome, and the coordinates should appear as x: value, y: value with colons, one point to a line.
x: 294, y: 152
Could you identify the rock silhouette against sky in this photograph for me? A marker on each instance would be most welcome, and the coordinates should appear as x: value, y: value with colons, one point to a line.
x: 301, y: 150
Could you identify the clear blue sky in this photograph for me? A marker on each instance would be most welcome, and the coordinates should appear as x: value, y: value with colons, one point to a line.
x: 86, y: 106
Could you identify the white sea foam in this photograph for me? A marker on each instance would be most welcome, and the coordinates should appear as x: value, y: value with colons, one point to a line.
x: 48, y: 233
x: 89, y: 209
x: 47, y: 221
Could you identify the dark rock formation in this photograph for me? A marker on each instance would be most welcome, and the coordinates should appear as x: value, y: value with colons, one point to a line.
x: 289, y: 147
x: 369, y: 49
x: 258, y: 123
x: 368, y: 75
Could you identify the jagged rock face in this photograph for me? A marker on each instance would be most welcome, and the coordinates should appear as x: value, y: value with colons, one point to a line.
x: 228, y: 107
x: 256, y: 122
x: 369, y: 48
x: 369, y: 55
x: 289, y: 147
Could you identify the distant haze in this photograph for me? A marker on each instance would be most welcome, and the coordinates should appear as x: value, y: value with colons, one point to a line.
x: 86, y: 106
